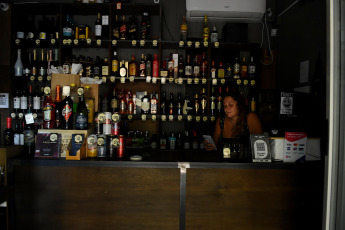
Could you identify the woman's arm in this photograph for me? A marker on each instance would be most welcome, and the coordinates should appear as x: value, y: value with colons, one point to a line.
x: 215, y: 136
x: 254, y: 124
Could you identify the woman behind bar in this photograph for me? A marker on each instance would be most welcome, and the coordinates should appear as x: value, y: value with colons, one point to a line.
x: 237, y: 122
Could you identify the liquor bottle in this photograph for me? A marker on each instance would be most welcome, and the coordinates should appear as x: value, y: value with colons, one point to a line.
x: 142, y: 66
x: 244, y: 68
x: 9, y: 133
x: 228, y: 71
x: 145, y: 104
x: 105, y: 104
x: 236, y: 69
x: 114, y: 102
x: 163, y: 104
x: 42, y: 71
x: 74, y: 96
x: 123, y: 70
x: 132, y: 28
x: 34, y: 65
x: 81, y: 121
x: 37, y: 101
x: 123, y: 28
x: 133, y: 67
x: 187, y: 107
x: 183, y: 29
x: 172, y: 141
x: 214, y: 34
x: 186, y: 143
x: 171, y: 64
x: 179, y: 104
x: 30, y: 100
x: 203, y: 67
x: 180, y: 67
x: 105, y: 67
x: 48, y: 113
x: 188, y: 68
x: 50, y: 62
x: 212, y: 102
x: 205, y: 30
x: 203, y: 102
x: 29, y: 138
x: 221, y: 71
x: 16, y: 101
x: 42, y: 28
x: 171, y: 106
x: 51, y: 28
x: 67, y: 109
x: 123, y: 103
x: 251, y: 69
x: 58, y: 108
x: 116, y: 28
x: 115, y: 65
x: 88, y: 67
x: 155, y: 67
x: 98, y: 27
x: 153, y: 103
x: 18, y: 66
x: 196, y: 104
x: 23, y: 101
x: 90, y: 105
x: 67, y: 30
x: 26, y: 64
x: 97, y: 69
x: 253, y: 104
x: 145, y: 26
x: 195, y: 142
x: 219, y: 102
x: 31, y: 30
x: 16, y: 135
x: 162, y: 141
x: 213, y: 71
x: 105, y: 26
x: 148, y: 66
x: 196, y: 67
x: 130, y: 103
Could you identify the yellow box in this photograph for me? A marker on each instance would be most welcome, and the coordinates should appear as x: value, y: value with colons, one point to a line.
x: 66, y: 137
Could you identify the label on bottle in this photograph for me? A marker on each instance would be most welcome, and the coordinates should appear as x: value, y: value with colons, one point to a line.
x: 47, y: 111
x: 23, y: 103
x: 98, y: 30
x: 81, y: 121
x: 132, y: 70
x: 115, y: 65
x: 196, y: 71
x: 29, y: 137
x: 67, y: 112
x: 43, y: 35
x: 188, y: 71
x: 67, y: 32
x: 251, y: 69
x: 145, y: 106
x: 20, y: 34
x: 105, y: 71
x: 16, y: 102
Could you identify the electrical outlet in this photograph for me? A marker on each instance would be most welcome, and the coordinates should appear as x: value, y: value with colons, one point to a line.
x: 274, y: 32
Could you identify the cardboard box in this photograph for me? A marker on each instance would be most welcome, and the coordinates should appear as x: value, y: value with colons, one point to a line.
x: 66, y: 137
x: 48, y: 145
x: 78, y: 149
x: 63, y: 79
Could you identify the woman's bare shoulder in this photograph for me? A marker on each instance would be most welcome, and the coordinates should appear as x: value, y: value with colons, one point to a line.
x: 254, y: 123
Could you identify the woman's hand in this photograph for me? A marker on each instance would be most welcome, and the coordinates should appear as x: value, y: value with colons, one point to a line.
x: 208, y: 146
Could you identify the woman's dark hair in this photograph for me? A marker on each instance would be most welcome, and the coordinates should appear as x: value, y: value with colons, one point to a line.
x: 242, y: 112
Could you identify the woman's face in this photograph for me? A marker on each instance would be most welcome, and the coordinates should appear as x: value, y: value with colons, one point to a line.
x: 230, y: 107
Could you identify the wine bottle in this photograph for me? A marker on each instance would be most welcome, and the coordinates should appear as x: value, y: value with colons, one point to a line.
x: 30, y: 100
x: 196, y: 67
x: 67, y: 109
x: 179, y: 104
x: 122, y: 103
x: 37, y: 101
x: 48, y: 113
x: 82, y: 115
x: 203, y: 66
x: 132, y: 28
x: 196, y: 104
x: 212, y: 102
x: 16, y: 101
x: 155, y: 67
x: 42, y: 27
x: 58, y: 109
x: 154, y: 103
x: 214, y: 34
x: 163, y: 105
x: 244, y: 68
x: 34, y: 66
x: 115, y: 65
x: 74, y: 96
x: 130, y: 104
x: 23, y: 101
x: 142, y: 66
x: 114, y: 102
x: 105, y: 67
x: 90, y: 105
x: 123, y: 70
x: 123, y: 28
x: 145, y: 26
x: 29, y: 139
x: 98, y: 27
x: 32, y: 31
x: 105, y: 26
x: 9, y: 133
x: 172, y: 107
x: 67, y: 30
x: 26, y: 64
x: 116, y: 28
x: 203, y: 102
x: 97, y: 67
x: 105, y: 104
x: 145, y: 104
x: 18, y: 66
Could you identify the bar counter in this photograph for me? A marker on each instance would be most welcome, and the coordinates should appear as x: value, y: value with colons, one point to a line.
x: 178, y: 190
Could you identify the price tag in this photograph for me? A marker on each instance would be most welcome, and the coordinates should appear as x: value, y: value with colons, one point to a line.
x: 204, y: 81
x: 134, y: 42
x: 142, y: 42
x: 238, y: 81
x: 34, y: 115
x: 130, y: 117
x: 181, y: 44
x: 189, y: 44
x: 245, y: 82
x: 52, y: 41
x: 164, y: 117
x: 122, y: 79
x: 13, y: 115
x: 148, y: 79
x: 29, y: 119
x: 88, y: 41
x: 104, y: 79
x: 197, y: 118
x: 99, y: 42
x: 49, y: 78
x: 171, y: 117
x: 69, y: 41
x: 17, y: 41
x: 214, y: 81
x: 38, y: 42
x: 131, y: 79
x: 205, y: 44
x: 222, y: 81
x: 20, y: 115
x: 204, y: 118
x: 154, y: 117
x: 179, y: 117
x: 115, y: 142
x: 213, y: 118
x: 40, y: 78
x: 189, y: 81
x: 154, y: 42
x: 189, y: 118
x: 112, y: 79
x: 143, y: 117
x: 176, y: 80
x: 216, y: 45
x: 196, y: 81
x: 64, y: 42
x: 101, y: 117
x: 252, y: 82
x: 32, y: 78
x: 197, y: 45
x: 114, y: 42
x: 154, y: 80
x: 171, y: 80
x: 163, y: 80
x: 180, y: 81
x: 46, y: 90
x: 76, y: 42
x: 96, y: 77
x: 116, y: 117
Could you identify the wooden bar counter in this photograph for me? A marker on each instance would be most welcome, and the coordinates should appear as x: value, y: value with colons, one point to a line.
x: 171, y: 194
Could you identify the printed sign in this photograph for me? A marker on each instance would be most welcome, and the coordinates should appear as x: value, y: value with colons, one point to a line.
x: 295, y: 147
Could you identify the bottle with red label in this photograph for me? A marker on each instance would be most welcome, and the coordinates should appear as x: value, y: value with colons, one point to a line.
x: 155, y: 67
x: 67, y: 109
x: 48, y: 113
